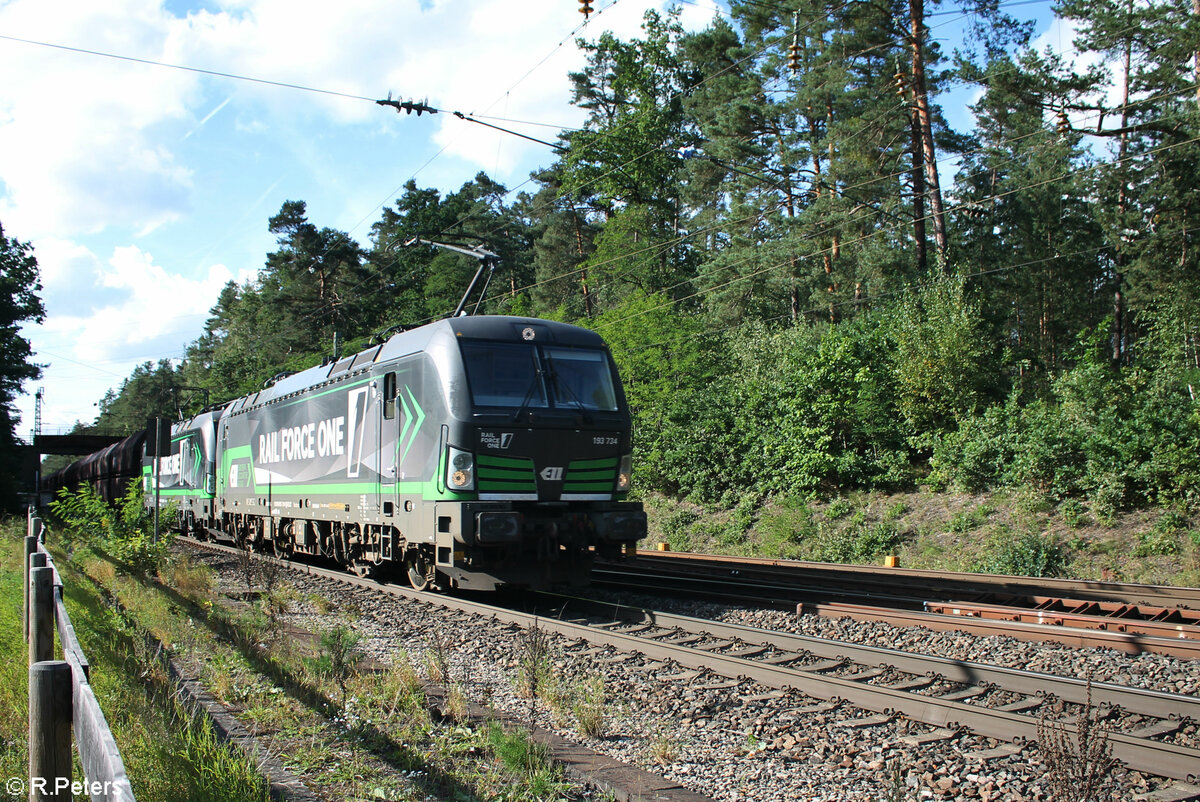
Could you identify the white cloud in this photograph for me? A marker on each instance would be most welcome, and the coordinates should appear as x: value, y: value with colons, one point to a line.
x: 137, y: 311
x: 88, y: 143
x: 150, y: 305
x: 106, y: 156
x: 78, y: 150
x: 73, y: 282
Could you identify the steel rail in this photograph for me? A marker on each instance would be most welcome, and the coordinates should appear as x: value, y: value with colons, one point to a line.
x: 1085, y: 589
x: 1129, y: 643
x: 1157, y: 704
x: 1038, y: 620
x: 940, y: 616
x: 1141, y: 754
x: 1183, y: 630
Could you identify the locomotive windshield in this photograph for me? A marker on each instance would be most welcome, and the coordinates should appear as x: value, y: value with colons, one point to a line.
x: 580, y: 378
x: 526, y: 376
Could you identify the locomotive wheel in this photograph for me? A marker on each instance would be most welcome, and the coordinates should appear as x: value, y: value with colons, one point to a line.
x: 420, y: 571
x: 282, y: 546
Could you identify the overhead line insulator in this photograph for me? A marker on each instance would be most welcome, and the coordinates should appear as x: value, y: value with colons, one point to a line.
x: 408, y: 106
x: 585, y: 8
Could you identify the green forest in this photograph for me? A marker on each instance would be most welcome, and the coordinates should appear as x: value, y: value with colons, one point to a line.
x: 811, y: 284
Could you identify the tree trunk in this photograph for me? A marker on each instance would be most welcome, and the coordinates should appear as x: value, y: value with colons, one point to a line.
x: 1196, y: 57
x: 583, y: 271
x: 918, y: 193
x: 924, y: 125
x: 1119, y: 334
x: 835, y: 248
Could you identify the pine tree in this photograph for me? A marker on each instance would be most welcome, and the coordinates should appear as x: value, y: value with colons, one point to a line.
x: 19, y: 304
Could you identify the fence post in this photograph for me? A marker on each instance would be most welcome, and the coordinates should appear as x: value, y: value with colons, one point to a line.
x: 50, y: 693
x: 35, y: 560
x: 30, y: 548
x: 41, y: 614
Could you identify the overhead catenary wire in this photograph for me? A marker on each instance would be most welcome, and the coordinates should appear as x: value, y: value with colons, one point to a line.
x: 882, y: 178
x: 411, y: 106
x: 605, y: 134
x: 287, y: 85
x: 877, y: 232
x: 767, y: 45
x: 777, y: 266
x: 624, y: 320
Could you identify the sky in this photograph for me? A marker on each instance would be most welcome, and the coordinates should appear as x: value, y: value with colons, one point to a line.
x: 144, y: 189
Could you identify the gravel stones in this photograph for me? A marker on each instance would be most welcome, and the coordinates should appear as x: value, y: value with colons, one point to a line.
x: 745, y: 742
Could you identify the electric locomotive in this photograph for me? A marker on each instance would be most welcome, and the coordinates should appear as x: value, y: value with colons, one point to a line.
x: 186, y: 477
x: 473, y: 451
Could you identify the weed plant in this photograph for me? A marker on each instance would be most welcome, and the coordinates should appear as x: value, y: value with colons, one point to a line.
x: 533, y: 662
x: 1079, y: 767
x: 337, y: 659
x: 526, y: 757
x: 589, y: 707
x: 383, y: 742
x: 1028, y: 554
x: 663, y: 745
x: 437, y: 658
x: 14, y: 676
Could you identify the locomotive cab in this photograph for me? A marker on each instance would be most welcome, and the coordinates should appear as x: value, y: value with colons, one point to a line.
x: 541, y: 445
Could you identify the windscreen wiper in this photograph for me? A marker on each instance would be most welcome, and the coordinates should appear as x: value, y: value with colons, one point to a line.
x: 560, y: 385
x: 533, y: 385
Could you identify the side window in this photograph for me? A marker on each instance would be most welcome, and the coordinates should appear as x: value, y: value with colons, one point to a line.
x: 389, y: 396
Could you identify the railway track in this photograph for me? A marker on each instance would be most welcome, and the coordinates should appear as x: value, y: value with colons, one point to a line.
x: 1150, y: 731
x: 1127, y: 617
x: 948, y: 694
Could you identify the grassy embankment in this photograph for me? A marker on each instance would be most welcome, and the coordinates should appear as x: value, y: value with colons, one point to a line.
x: 1008, y: 532
x: 349, y: 729
x: 167, y: 753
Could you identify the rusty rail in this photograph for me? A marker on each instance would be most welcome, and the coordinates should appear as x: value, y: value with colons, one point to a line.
x: 837, y: 575
x: 1128, y: 627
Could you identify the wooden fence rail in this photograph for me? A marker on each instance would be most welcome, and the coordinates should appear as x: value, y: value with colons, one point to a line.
x: 60, y: 694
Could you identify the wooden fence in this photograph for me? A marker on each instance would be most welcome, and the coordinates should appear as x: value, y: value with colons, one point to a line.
x: 60, y: 695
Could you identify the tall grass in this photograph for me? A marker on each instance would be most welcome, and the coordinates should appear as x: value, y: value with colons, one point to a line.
x: 167, y: 753
x: 14, y: 676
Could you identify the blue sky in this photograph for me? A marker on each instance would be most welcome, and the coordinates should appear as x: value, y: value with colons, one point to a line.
x: 145, y: 189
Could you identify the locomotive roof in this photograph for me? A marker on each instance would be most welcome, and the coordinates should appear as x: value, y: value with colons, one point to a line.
x: 483, y: 327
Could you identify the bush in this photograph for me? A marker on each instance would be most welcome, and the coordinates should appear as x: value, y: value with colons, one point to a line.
x: 1116, y: 437
x: 793, y: 411
x: 1163, y: 539
x: 969, y: 520
x: 1030, y: 554
x: 125, y: 531
x: 785, y: 525
x: 856, y: 544
x: 943, y: 357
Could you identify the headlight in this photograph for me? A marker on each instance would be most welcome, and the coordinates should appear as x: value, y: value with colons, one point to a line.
x: 460, y: 470
x: 625, y: 473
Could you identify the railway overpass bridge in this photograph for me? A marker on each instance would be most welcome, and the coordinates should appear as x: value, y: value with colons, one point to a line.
x: 65, y: 444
